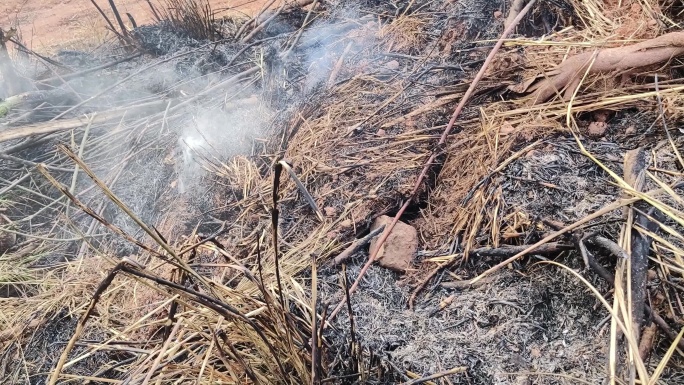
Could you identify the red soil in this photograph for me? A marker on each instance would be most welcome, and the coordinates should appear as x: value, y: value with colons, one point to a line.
x: 46, y: 25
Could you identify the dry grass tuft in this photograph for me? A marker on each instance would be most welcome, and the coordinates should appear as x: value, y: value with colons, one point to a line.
x: 194, y: 17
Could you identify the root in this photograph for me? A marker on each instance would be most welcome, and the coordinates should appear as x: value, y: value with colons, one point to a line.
x: 617, y: 61
x: 516, y: 7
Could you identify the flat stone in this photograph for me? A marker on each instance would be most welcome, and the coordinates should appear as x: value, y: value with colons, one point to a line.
x: 399, y: 249
x: 597, y: 129
x: 392, y: 65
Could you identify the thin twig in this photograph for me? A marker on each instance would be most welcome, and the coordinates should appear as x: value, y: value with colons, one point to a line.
x: 91, y: 70
x: 109, y: 22
x: 460, y: 369
x: 124, y: 31
x: 357, y: 245
x: 301, y: 30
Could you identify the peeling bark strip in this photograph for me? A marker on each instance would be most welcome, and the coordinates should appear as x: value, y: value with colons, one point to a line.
x: 566, y: 77
x: 634, y: 168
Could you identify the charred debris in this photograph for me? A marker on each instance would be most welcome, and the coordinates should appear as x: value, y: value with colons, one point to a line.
x: 458, y: 192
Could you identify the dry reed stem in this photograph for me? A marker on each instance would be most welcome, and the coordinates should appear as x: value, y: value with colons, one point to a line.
x: 262, y: 25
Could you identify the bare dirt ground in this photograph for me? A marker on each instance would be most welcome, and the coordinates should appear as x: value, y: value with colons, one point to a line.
x: 79, y: 23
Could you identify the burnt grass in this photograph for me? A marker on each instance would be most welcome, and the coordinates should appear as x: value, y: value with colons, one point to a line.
x: 542, y: 321
x: 532, y: 324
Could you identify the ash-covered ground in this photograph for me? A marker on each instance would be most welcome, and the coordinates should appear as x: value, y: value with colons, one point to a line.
x: 516, y: 329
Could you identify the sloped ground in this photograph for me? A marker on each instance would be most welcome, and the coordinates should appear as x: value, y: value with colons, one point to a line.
x: 357, y: 107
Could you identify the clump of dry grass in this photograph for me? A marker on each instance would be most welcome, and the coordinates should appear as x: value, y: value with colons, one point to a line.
x: 180, y: 304
x: 406, y: 32
x: 194, y: 17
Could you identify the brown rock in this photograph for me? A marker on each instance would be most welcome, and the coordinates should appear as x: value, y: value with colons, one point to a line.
x: 498, y: 14
x: 400, y: 247
x: 392, y: 65
x: 330, y: 211
x: 601, y: 116
x: 597, y: 129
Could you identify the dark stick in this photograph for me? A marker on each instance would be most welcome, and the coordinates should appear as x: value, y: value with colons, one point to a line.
x: 204, y: 240
x: 634, y: 167
x: 36, y: 54
x: 354, y: 348
x: 260, y: 266
x: 132, y: 20
x: 154, y: 10
x: 173, y: 309
x: 274, y: 227
x: 509, y: 251
x: 610, y: 278
x: 593, y: 264
x: 124, y: 31
x: 111, y: 26
x: 321, y: 327
x: 235, y: 355
x: 315, y: 348
x: 278, y: 170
